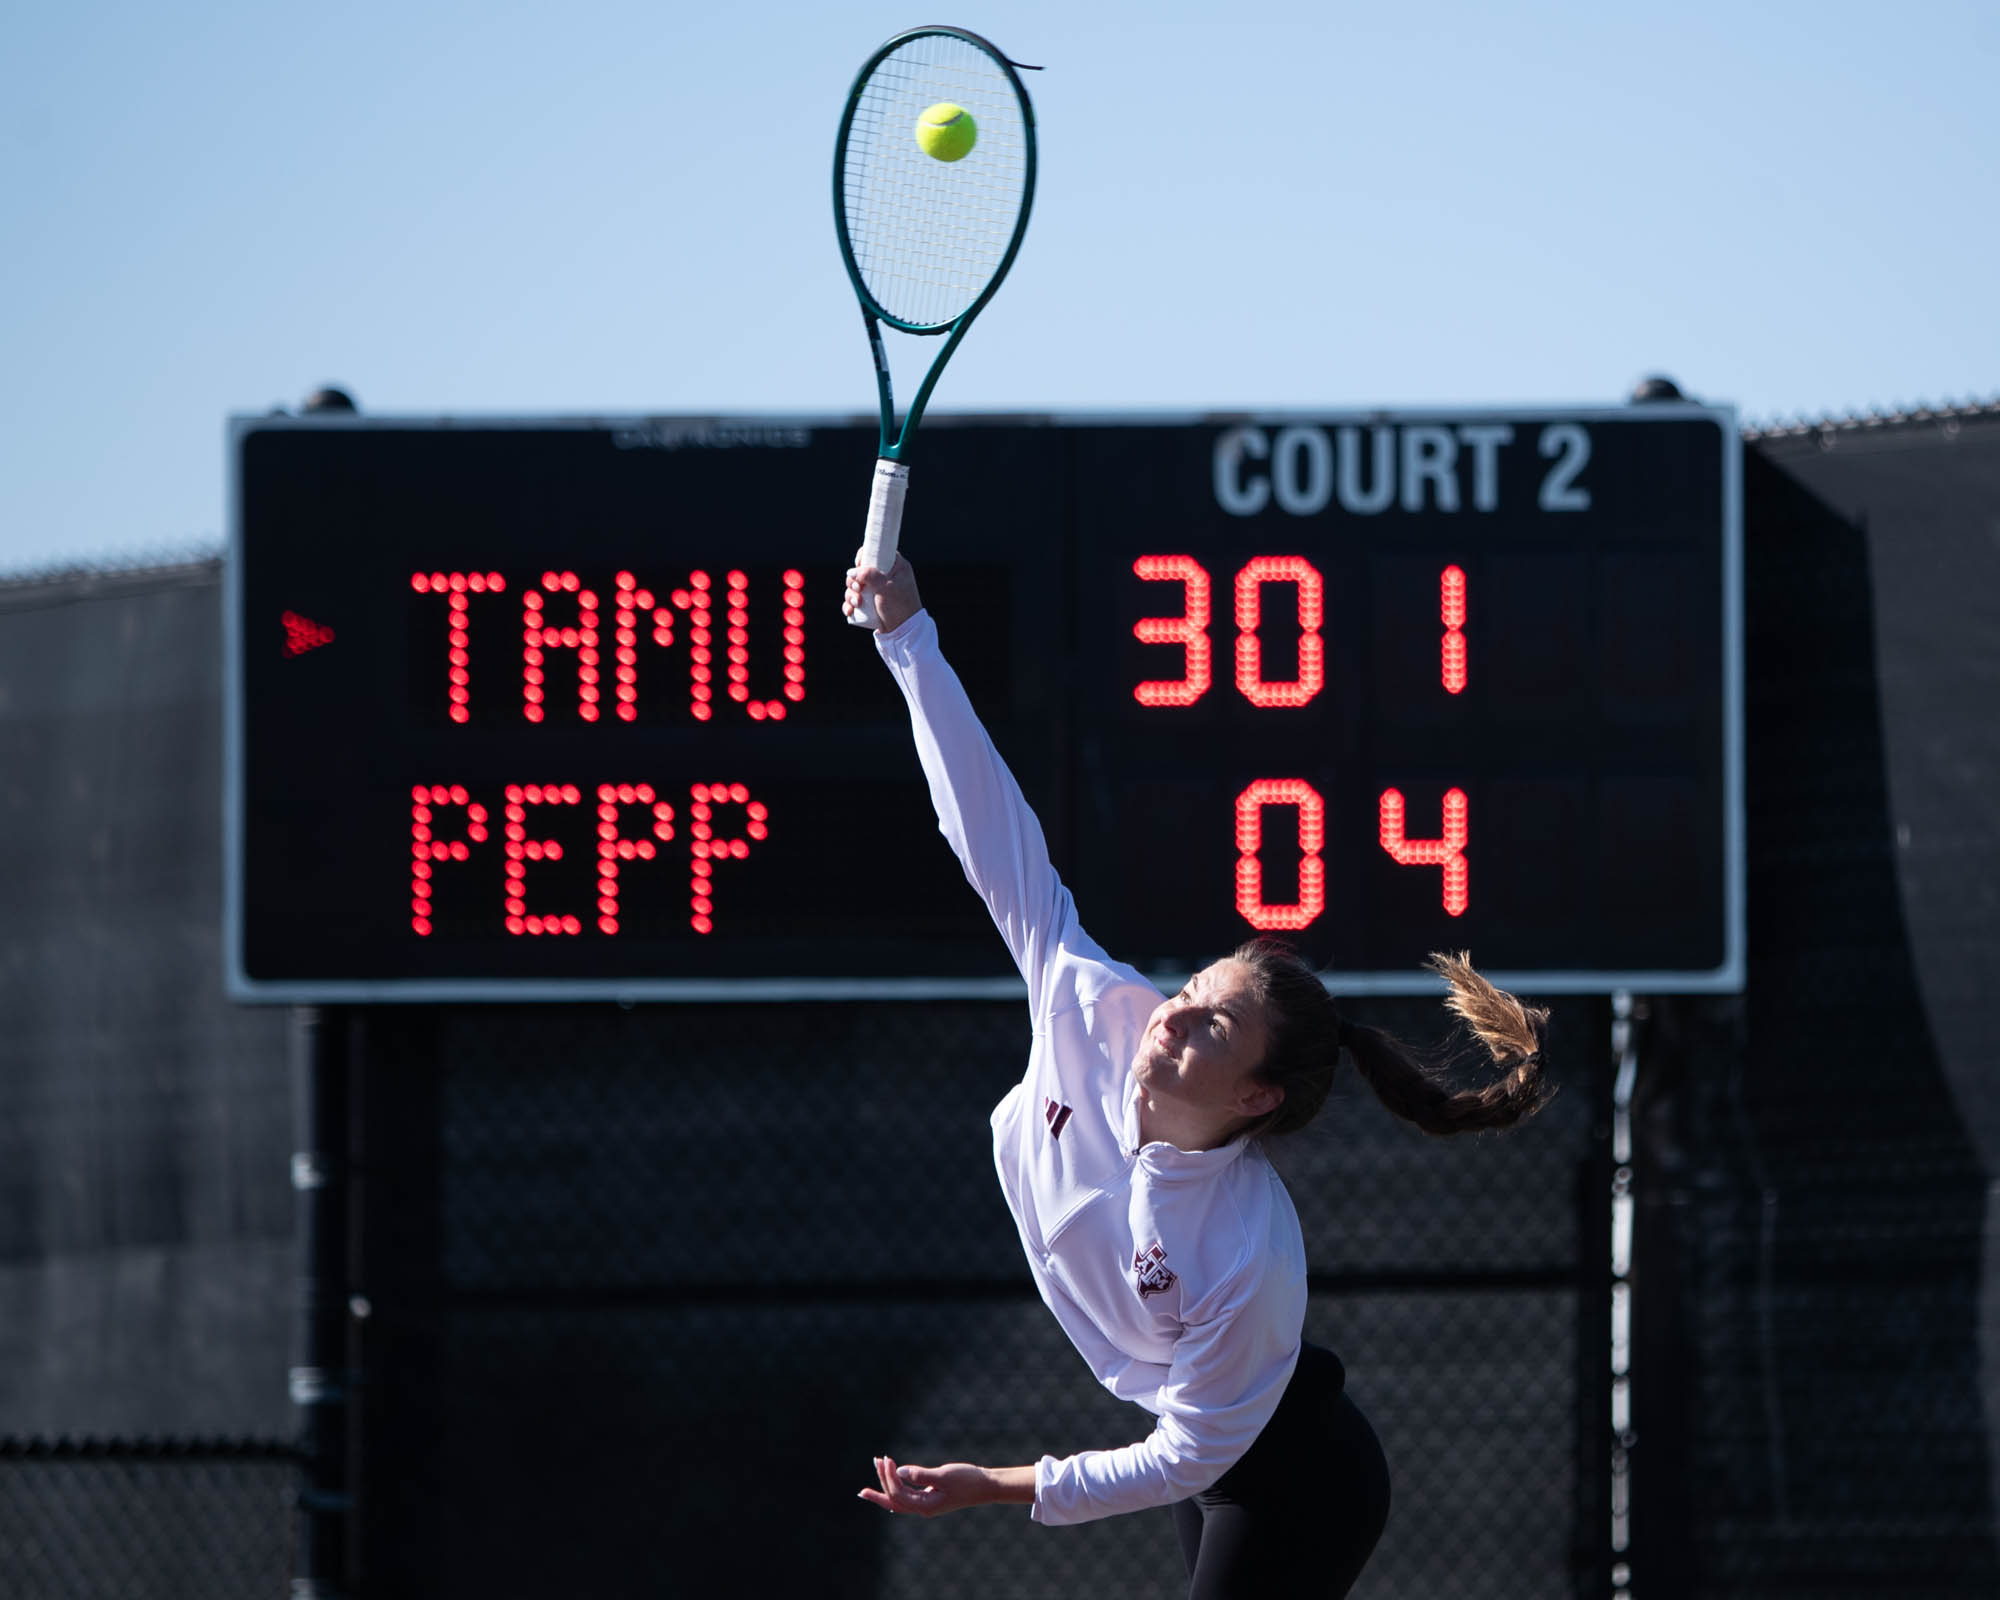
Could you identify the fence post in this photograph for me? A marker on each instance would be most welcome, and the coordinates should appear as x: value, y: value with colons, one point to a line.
x: 1625, y: 1062
x: 1591, y: 1555
x: 319, y: 1376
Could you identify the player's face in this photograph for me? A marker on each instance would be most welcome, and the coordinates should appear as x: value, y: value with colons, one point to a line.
x: 1203, y: 1045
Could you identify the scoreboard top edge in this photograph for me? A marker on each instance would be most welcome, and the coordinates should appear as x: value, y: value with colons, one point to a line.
x: 243, y: 424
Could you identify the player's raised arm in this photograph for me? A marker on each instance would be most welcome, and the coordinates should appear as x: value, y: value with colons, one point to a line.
x: 980, y: 808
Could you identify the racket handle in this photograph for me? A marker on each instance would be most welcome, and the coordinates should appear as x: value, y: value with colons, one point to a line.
x: 885, y: 522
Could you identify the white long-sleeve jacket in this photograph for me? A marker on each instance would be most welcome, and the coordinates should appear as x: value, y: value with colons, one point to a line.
x: 1179, y: 1275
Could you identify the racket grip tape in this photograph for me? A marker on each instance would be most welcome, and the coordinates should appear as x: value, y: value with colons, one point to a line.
x: 885, y: 523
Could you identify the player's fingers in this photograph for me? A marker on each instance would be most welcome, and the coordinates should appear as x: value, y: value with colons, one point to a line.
x: 908, y: 1498
x: 928, y: 1488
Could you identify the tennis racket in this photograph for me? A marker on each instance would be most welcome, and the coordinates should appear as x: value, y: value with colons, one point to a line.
x: 926, y: 240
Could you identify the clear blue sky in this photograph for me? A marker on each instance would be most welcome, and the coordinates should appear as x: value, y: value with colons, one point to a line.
x: 603, y: 206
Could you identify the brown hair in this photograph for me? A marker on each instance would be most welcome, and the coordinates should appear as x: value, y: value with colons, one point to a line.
x: 1308, y: 1033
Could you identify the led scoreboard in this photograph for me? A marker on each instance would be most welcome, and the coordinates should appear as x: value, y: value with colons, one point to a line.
x: 566, y: 709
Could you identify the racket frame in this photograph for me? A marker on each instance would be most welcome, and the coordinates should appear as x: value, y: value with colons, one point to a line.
x: 895, y: 441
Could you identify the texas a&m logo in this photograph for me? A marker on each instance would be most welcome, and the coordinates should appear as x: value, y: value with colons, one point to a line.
x: 1055, y: 1116
x: 1150, y: 1266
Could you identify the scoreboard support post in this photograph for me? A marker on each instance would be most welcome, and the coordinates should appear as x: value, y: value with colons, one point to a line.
x: 1625, y: 1012
x: 321, y: 1380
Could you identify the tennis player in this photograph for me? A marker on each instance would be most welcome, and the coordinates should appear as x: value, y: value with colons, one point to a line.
x: 1157, y: 1232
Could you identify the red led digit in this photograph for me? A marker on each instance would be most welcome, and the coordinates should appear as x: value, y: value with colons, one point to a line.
x: 695, y: 600
x: 426, y: 800
x: 614, y: 846
x: 521, y: 850
x: 455, y: 586
x: 795, y: 635
x: 739, y: 646
x: 531, y: 656
x: 1311, y: 808
x: 1189, y: 630
x: 705, y: 849
x: 1446, y: 852
x: 1451, y: 612
x: 1249, y: 651
x: 539, y: 636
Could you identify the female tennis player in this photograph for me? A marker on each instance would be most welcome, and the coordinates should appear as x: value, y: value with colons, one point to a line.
x: 1156, y: 1230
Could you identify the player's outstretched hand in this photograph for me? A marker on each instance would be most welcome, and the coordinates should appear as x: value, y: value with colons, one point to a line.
x: 894, y: 593
x: 932, y: 1491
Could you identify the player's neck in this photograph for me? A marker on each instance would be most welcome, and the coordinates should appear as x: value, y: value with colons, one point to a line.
x: 1185, y: 1127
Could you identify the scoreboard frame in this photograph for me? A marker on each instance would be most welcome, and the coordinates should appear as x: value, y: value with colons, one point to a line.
x: 1261, y: 438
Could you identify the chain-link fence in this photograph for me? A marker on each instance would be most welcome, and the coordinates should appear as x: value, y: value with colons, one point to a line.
x: 1815, y: 1218
x: 146, y: 1271
x: 108, y: 1519
x: 690, y: 1268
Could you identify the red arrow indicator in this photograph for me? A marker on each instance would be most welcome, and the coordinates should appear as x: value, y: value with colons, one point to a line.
x: 303, y: 634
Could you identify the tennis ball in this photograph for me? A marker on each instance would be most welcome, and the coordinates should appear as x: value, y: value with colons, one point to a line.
x: 947, y: 132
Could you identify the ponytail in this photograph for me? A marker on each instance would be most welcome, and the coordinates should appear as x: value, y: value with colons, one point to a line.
x: 1308, y: 1033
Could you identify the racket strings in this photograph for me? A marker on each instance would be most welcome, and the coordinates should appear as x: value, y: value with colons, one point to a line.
x: 928, y: 236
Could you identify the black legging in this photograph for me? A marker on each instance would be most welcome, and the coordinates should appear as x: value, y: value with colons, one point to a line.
x: 1300, y: 1513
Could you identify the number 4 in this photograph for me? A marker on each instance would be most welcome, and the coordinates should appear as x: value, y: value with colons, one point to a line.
x: 1447, y: 852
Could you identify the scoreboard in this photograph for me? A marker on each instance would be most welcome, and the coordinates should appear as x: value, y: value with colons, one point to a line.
x: 566, y: 708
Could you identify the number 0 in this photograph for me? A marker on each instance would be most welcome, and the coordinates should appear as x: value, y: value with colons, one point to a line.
x: 1249, y: 615
x: 1250, y: 806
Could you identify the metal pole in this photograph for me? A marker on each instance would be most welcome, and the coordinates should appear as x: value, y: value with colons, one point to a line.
x: 319, y: 1377
x: 1626, y: 1060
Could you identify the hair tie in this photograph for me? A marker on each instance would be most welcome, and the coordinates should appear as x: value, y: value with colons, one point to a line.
x: 1344, y: 1034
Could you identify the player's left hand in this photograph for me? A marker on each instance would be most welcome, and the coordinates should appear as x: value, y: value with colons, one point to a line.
x: 894, y: 593
x: 930, y: 1491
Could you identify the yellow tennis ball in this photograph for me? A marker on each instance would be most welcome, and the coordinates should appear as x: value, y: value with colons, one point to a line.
x: 947, y: 132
